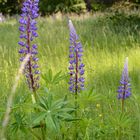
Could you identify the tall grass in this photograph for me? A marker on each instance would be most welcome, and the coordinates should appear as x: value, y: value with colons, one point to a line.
x: 106, y: 44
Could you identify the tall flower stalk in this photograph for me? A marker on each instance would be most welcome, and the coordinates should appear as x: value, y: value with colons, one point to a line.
x: 124, y: 90
x: 76, y: 67
x: 27, y: 35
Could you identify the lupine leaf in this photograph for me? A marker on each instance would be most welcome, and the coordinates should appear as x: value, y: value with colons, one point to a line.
x: 67, y: 110
x: 56, y: 77
x: 50, y: 75
x: 65, y: 116
x: 50, y: 122
x: 39, y: 117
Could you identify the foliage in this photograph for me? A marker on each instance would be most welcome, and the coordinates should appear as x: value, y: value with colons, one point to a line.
x: 9, y: 7
x: 97, y: 6
x: 52, y: 112
x: 49, y: 113
x: 107, y: 41
x: 54, y: 6
x: 118, y: 18
x: 64, y: 6
x: 46, y: 7
x: 51, y: 80
x: 137, y: 1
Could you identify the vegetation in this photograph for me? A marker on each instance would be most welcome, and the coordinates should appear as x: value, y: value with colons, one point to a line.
x: 8, y: 7
x: 107, y: 41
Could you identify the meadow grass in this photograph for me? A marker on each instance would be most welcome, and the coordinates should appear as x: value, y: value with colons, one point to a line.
x: 106, y: 45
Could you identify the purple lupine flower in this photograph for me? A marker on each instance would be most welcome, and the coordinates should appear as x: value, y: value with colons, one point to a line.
x: 76, y: 66
x: 124, y: 90
x: 27, y: 34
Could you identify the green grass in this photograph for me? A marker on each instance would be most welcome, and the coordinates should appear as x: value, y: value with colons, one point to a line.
x: 106, y: 45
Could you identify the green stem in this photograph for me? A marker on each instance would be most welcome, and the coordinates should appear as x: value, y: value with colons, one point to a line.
x: 42, y: 127
x: 122, y: 105
x: 76, y: 106
x: 43, y: 132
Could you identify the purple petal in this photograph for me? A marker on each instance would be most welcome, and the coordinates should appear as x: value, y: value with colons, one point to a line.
x: 37, y: 72
x: 35, y: 59
x: 21, y: 51
x: 35, y: 66
x: 21, y: 43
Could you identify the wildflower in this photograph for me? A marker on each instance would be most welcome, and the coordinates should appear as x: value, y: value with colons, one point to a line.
x: 98, y: 105
x: 124, y: 90
x: 100, y: 115
x: 27, y: 35
x: 76, y: 66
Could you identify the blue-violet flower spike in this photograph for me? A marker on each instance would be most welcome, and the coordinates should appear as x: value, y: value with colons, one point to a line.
x: 124, y: 90
x: 76, y: 67
x: 27, y: 35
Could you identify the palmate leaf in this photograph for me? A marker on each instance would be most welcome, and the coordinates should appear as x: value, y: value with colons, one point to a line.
x: 87, y: 97
x: 125, y: 120
x: 46, y: 103
x: 39, y: 117
x: 49, y: 101
x: 19, y: 122
x: 53, y: 80
x: 50, y: 123
x: 43, y: 106
x: 67, y: 109
x: 122, y: 123
x: 51, y: 113
x: 58, y: 105
x: 48, y: 77
x: 60, y: 78
x: 65, y: 116
x: 122, y: 120
x: 57, y: 77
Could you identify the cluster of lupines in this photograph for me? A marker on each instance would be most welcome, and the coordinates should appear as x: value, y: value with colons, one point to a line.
x: 76, y: 66
x: 27, y: 34
x: 124, y: 90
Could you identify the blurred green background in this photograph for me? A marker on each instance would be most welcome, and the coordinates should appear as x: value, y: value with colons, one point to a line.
x: 65, y: 6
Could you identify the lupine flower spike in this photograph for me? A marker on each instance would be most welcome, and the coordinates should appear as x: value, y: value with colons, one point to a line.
x: 27, y: 35
x: 124, y: 90
x: 76, y: 67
